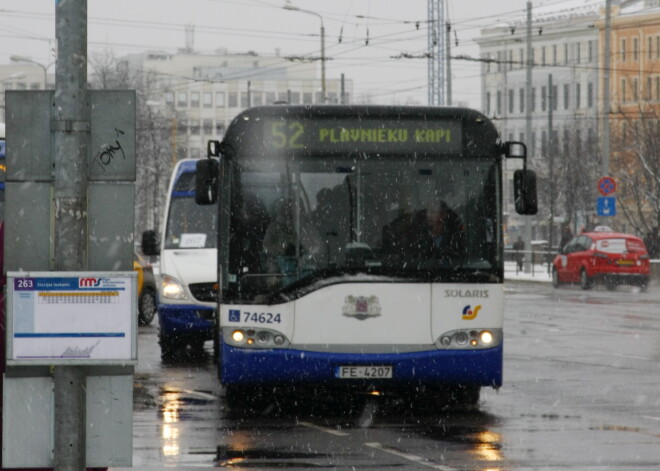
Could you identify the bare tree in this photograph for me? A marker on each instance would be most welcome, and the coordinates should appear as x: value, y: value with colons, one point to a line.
x: 636, y: 166
x: 157, y: 139
x: 568, y: 173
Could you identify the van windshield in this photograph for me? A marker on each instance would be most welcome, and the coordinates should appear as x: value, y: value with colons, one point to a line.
x: 189, y: 225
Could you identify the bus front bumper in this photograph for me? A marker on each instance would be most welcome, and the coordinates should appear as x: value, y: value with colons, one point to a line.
x: 241, y: 366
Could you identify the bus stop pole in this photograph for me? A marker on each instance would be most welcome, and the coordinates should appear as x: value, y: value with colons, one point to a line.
x: 70, y: 124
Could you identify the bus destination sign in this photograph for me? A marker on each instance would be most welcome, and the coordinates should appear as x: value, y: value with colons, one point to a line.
x: 366, y: 135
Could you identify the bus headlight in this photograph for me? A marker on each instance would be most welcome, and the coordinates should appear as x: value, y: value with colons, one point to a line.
x: 171, y: 288
x: 469, y: 339
x: 254, y: 338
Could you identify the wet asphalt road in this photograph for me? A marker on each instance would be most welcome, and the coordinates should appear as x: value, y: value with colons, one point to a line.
x: 581, y: 392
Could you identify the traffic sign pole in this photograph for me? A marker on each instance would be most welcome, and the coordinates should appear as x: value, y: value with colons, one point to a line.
x: 71, y: 136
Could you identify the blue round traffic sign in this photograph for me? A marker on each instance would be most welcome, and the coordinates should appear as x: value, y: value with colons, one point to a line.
x: 606, y: 186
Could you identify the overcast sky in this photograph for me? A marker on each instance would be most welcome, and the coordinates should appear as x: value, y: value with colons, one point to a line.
x: 363, y: 37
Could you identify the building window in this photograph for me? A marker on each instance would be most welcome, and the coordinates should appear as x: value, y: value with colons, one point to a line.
x: 544, y: 98
x: 566, y: 96
x: 650, y: 47
x: 194, y: 127
x: 207, y: 127
x: 577, y: 96
x: 182, y: 99
x: 554, y: 54
x: 510, y: 60
x: 566, y: 54
x: 578, y: 56
x: 657, y: 47
x: 182, y: 126
x: 554, y: 97
x: 623, y: 91
x: 169, y: 98
x: 623, y: 50
x: 318, y: 98
x: 590, y: 95
x: 649, y: 88
x: 499, y: 61
x: 635, y: 90
x: 543, y: 58
x: 511, y: 94
x: 295, y: 98
x: 522, y: 100
x: 635, y: 49
x: 270, y: 98
x: 195, y: 153
x: 232, y: 100
x: 219, y: 128
x: 487, y: 104
x: 544, y: 142
x: 194, y: 99
x: 207, y: 100
x: 521, y: 65
x: 307, y: 98
x: 533, y: 97
x: 219, y: 99
x: 499, y: 102
x: 590, y: 51
x: 245, y: 100
x: 257, y: 98
x: 657, y: 87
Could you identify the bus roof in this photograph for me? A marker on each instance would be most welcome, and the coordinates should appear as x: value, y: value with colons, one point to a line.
x: 250, y: 132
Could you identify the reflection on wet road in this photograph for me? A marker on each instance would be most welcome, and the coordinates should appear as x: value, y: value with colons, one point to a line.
x: 580, y: 393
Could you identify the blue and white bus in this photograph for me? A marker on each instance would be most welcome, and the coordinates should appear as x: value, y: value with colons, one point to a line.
x: 3, y: 170
x: 326, y: 274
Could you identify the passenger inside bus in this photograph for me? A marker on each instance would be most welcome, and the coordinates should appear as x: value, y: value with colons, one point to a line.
x: 433, y: 234
x: 279, y: 243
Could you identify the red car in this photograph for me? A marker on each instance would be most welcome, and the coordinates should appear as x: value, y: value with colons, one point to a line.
x: 609, y: 257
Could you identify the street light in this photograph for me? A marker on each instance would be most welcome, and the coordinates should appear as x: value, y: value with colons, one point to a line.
x: 27, y: 59
x: 290, y: 7
x: 15, y: 75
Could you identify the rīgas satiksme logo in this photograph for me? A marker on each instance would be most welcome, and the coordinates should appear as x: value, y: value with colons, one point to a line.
x: 89, y: 282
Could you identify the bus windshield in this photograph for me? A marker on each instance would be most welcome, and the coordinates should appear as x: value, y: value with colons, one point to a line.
x: 395, y: 217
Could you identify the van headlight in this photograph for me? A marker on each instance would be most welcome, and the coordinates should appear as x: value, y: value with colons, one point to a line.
x: 171, y: 288
x: 469, y: 339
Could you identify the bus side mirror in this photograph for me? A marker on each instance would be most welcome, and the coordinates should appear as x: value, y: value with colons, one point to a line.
x: 524, y: 191
x: 213, y: 149
x: 150, y: 243
x: 206, y: 181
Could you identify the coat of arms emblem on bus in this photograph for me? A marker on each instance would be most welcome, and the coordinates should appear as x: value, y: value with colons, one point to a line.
x: 361, y: 307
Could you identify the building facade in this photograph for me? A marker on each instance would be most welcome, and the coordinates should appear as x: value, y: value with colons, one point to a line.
x: 563, y: 101
x: 634, y: 112
x: 208, y: 91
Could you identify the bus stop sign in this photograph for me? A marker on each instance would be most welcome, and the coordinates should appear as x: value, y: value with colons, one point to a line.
x: 606, y: 186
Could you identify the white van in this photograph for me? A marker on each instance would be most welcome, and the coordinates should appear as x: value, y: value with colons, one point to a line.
x: 187, y: 285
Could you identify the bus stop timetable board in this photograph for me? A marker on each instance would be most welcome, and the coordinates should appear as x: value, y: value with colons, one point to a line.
x: 71, y: 318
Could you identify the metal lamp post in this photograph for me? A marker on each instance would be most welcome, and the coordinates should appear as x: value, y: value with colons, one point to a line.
x: 27, y: 59
x: 290, y: 7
